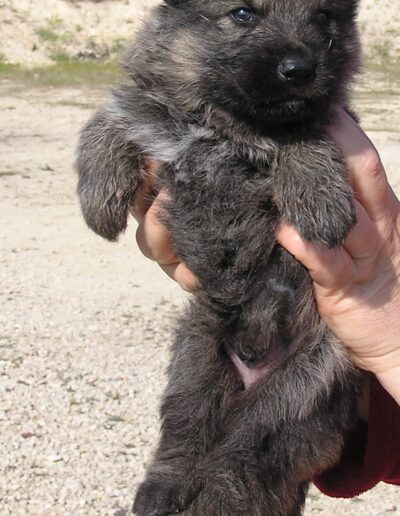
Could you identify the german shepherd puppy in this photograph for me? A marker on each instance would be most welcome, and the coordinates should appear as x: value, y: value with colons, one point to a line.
x: 234, y: 99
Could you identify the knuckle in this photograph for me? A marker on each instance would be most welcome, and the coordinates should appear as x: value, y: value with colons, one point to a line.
x: 372, y: 164
x: 189, y: 284
x: 143, y: 244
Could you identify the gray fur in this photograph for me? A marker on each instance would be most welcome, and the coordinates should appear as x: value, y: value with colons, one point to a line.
x: 240, y: 151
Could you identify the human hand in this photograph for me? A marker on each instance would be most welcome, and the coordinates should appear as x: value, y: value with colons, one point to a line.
x: 152, y: 237
x: 357, y: 286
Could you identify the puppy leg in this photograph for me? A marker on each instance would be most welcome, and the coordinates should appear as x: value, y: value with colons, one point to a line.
x: 202, y: 385
x: 275, y: 438
x: 239, y: 491
x: 108, y: 166
x: 312, y: 191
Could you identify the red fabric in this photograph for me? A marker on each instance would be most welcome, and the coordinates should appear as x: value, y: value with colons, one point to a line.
x: 372, y: 453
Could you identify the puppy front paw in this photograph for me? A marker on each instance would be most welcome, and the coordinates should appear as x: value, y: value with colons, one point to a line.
x: 324, y: 219
x: 312, y: 191
x: 328, y: 228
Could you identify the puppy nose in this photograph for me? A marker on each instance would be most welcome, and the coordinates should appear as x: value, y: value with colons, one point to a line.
x: 296, y: 71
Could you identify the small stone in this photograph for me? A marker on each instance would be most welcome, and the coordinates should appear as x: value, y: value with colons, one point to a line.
x: 28, y: 435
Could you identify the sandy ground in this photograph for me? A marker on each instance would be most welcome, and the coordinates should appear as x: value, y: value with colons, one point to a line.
x: 84, y: 325
x: 37, y: 31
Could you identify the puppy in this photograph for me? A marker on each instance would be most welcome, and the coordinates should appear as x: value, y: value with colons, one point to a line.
x: 234, y: 99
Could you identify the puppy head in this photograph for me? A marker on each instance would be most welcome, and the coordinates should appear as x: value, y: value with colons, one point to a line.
x: 265, y: 62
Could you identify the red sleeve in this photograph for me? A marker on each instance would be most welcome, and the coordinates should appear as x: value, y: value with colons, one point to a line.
x: 372, y: 452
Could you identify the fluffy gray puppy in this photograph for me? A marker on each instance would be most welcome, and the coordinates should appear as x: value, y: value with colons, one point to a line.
x: 234, y: 101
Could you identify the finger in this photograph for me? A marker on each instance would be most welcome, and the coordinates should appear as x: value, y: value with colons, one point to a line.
x: 153, y: 237
x: 154, y: 241
x: 367, y: 173
x: 329, y: 268
x: 144, y: 196
x: 362, y: 243
x: 182, y: 275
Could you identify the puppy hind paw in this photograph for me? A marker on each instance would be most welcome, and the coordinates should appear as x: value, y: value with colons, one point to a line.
x: 227, y: 490
x: 211, y: 503
x: 161, y: 498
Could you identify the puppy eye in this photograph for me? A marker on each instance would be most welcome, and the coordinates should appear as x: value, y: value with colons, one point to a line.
x: 243, y: 15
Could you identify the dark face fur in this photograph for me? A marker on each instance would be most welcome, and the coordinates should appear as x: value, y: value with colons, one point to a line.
x: 263, y: 61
